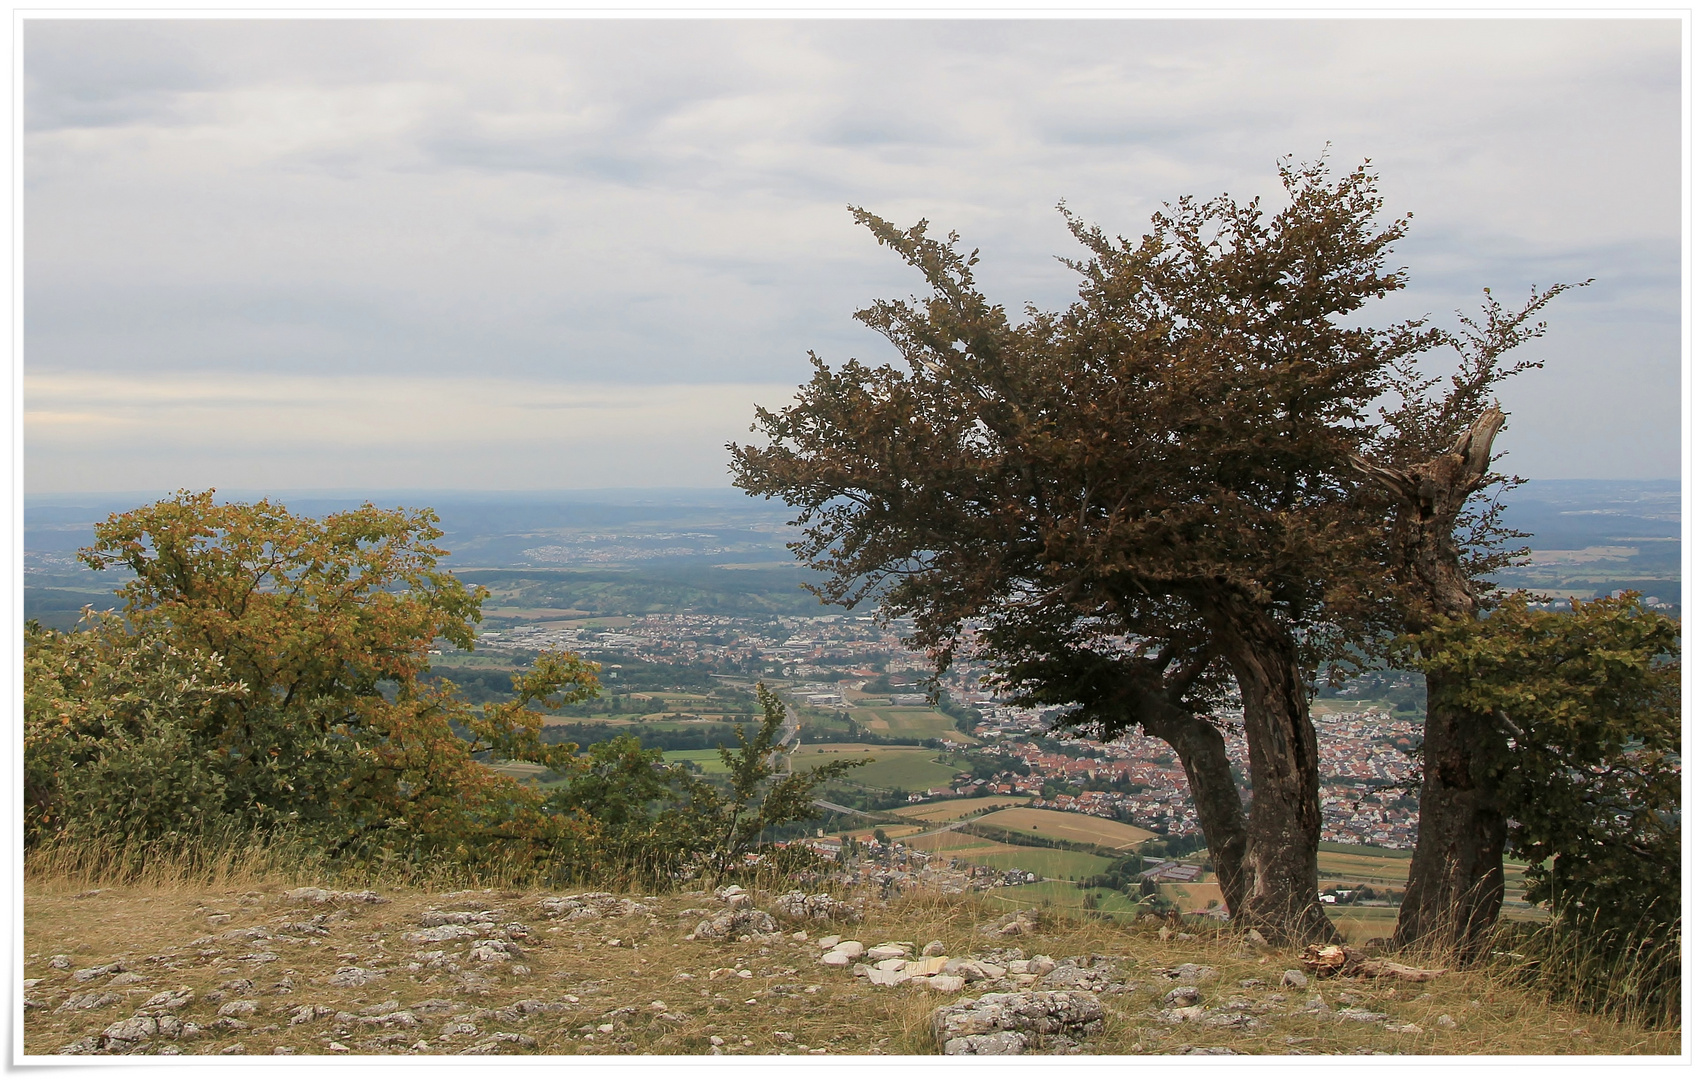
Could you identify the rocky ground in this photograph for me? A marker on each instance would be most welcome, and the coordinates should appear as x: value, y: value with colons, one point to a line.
x: 317, y: 971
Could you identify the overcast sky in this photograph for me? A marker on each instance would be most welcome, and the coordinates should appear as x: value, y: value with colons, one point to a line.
x: 571, y: 254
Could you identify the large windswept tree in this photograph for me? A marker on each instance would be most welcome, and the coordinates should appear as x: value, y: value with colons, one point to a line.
x: 1137, y: 499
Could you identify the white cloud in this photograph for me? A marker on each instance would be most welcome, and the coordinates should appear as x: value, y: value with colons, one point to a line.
x: 96, y: 432
x: 661, y: 202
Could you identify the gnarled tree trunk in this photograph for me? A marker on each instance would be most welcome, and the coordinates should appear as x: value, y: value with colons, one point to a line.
x: 1214, y: 791
x: 1457, y: 872
x: 1279, y: 872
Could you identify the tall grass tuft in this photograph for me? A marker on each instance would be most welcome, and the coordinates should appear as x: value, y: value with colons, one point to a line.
x: 1630, y: 976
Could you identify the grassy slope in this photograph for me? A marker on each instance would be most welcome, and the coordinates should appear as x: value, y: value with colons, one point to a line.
x: 610, y: 971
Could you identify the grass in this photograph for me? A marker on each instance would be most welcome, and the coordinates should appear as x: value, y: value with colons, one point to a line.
x: 1081, y: 828
x: 956, y: 809
x: 906, y: 721
x: 603, y: 974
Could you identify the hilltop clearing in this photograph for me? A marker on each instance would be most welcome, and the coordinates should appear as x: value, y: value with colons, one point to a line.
x: 270, y: 968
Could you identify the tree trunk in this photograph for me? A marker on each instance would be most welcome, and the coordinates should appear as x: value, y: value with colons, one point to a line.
x: 1457, y: 872
x: 1214, y: 792
x: 1280, y: 882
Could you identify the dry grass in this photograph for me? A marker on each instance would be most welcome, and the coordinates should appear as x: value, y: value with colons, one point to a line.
x: 758, y: 997
x: 1081, y: 828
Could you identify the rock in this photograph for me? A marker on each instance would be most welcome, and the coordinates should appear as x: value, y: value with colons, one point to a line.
x: 433, y: 917
x: 126, y: 978
x: 829, y: 942
x: 445, y: 932
x: 852, y: 950
x: 944, y: 984
x: 500, y: 1042
x: 974, y: 970
x: 926, y: 967
x: 1254, y: 937
x: 308, y: 1013
x: 1404, y: 1029
x: 1294, y: 978
x: 91, y: 973
x: 492, y: 950
x: 836, y: 959
x: 879, y: 977
x: 935, y: 948
x: 90, y: 1000
x: 1192, y: 973
x: 1013, y: 1023
x: 134, y: 1030
x: 593, y: 905
x: 733, y: 923
x: 1251, y: 984
x: 893, y: 963
x: 734, y: 896
x: 1199, y: 1051
x: 1446, y: 1022
x: 59, y: 962
x: 1025, y: 922
x: 327, y: 896
x: 238, y: 1008
x: 1182, y: 995
x: 88, y: 1044
x: 886, y: 952
x: 820, y: 907
x: 1360, y: 1016
x: 354, y: 976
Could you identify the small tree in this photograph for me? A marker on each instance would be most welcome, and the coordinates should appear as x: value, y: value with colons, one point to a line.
x: 1587, y: 761
x: 726, y: 826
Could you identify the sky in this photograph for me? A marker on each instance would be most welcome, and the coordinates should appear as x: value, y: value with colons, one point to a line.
x: 563, y: 254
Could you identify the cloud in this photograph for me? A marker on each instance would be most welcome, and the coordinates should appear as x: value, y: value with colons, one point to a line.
x: 663, y: 202
x: 106, y: 433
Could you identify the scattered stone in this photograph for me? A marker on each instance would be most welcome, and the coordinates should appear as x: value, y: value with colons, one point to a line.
x: 1405, y: 1029
x: 1251, y: 984
x: 328, y: 896
x: 1025, y: 922
x: 134, y: 1030
x: 91, y: 973
x: 1013, y: 1023
x: 1294, y: 978
x: 446, y: 932
x: 501, y: 1042
x: 1192, y: 973
x: 1182, y: 995
x: 234, y: 1048
x: 126, y: 978
x: 354, y: 976
x: 944, y: 984
x: 734, y: 922
x: 852, y: 950
x: 934, y: 948
x: 886, y: 952
x: 1254, y: 937
x: 820, y: 907
x: 88, y: 1044
x: 1360, y: 1016
x: 835, y: 959
x: 734, y: 896
x: 91, y: 1000
x: 432, y: 917
x: 59, y: 962
x: 1200, y: 1051
x: 594, y: 905
x: 238, y: 1008
x: 306, y: 1014
x: 1446, y: 1022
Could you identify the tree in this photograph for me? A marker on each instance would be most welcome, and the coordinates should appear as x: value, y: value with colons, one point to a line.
x: 1586, y: 763
x: 1427, y: 466
x: 1137, y: 500
x: 325, y: 626
x: 724, y: 827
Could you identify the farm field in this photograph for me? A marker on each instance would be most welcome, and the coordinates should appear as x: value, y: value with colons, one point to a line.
x: 955, y: 809
x: 909, y: 768
x: 1045, y: 862
x: 906, y: 721
x: 1080, y: 828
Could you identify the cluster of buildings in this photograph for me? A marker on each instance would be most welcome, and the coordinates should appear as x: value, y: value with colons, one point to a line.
x: 1367, y: 757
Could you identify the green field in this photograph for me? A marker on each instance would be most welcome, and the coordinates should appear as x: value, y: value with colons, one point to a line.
x: 906, y: 721
x: 1045, y: 862
x: 909, y: 768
